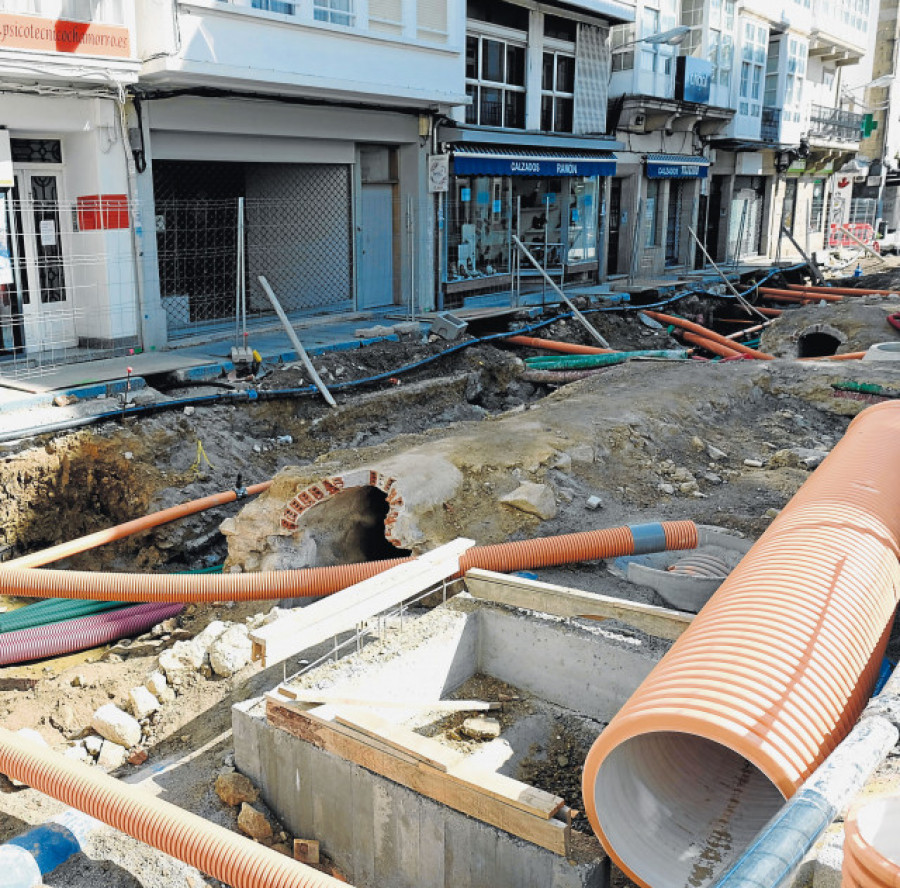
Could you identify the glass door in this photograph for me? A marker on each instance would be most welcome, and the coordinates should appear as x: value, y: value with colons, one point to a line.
x: 39, y: 232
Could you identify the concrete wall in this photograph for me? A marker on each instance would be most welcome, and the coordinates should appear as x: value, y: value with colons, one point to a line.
x: 382, y: 834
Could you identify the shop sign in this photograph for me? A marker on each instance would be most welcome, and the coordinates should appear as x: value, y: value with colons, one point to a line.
x: 78, y: 38
x: 658, y: 170
x: 438, y: 173
x: 693, y: 78
x: 517, y: 166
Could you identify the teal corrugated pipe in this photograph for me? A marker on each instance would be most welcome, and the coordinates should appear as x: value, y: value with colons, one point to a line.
x: 582, y: 362
x: 53, y: 610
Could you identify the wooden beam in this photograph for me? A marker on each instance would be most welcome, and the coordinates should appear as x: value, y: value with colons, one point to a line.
x: 343, y: 610
x: 432, y: 752
x: 326, y: 698
x: 552, y: 834
x: 563, y: 602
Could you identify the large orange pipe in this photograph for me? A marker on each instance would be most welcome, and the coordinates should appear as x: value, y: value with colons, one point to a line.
x: 214, y: 850
x: 706, y: 333
x: 723, y: 351
x: 128, y: 528
x: 542, y: 552
x: 871, y: 858
x: 566, y: 348
x: 768, y: 679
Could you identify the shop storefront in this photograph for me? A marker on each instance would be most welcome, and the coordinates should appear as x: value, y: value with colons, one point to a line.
x: 551, y: 200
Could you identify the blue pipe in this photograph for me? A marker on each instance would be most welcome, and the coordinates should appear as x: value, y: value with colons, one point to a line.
x: 784, y: 841
x: 26, y: 859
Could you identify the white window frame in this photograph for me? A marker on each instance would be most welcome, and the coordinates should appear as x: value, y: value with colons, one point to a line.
x: 754, y: 49
x: 332, y: 12
x: 565, y: 50
x: 621, y: 42
x: 507, y: 38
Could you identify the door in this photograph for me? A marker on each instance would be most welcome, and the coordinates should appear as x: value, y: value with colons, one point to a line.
x: 614, y: 217
x: 11, y: 341
x: 673, y: 223
x: 376, y: 261
x: 715, y: 244
x: 40, y: 290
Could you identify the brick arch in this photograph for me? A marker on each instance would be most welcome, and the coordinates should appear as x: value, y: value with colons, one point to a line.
x: 315, y: 494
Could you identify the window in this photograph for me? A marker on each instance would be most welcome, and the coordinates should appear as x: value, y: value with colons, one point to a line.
x: 335, y: 12
x: 621, y: 40
x: 560, y: 28
x: 651, y: 212
x: 797, y: 51
x: 495, y: 81
x: 557, y: 92
x: 656, y: 58
x: 816, y: 207
x: 753, y: 60
x: 278, y: 6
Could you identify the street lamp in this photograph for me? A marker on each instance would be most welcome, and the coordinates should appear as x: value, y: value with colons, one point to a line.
x: 672, y: 37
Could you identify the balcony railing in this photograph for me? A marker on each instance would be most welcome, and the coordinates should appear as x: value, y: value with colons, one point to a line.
x: 771, y: 124
x: 834, y: 124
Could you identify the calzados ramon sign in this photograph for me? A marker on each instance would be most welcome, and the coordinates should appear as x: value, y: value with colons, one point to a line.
x: 79, y: 38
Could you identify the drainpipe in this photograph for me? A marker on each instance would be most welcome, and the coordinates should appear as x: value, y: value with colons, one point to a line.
x: 783, y: 842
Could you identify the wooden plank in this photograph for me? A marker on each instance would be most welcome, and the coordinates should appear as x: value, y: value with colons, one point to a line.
x: 432, y: 752
x: 325, y: 698
x: 343, y: 610
x: 551, y: 834
x: 564, y: 602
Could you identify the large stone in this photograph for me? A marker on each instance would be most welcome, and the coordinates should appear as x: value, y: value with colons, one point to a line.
x: 156, y: 683
x: 480, y: 728
x: 235, y: 789
x: 182, y: 657
x: 93, y: 744
x: 204, y: 641
x: 254, y: 824
x: 112, y: 756
x: 142, y: 702
x: 535, y: 499
x: 232, y: 651
x: 113, y: 724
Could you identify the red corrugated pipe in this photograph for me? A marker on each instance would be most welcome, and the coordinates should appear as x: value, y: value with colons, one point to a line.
x: 82, y: 633
x: 542, y: 552
x: 800, y: 295
x: 567, y: 348
x: 769, y: 678
x: 708, y: 334
x: 894, y: 320
x: 214, y: 850
x: 716, y: 348
x: 844, y: 291
x: 120, y: 531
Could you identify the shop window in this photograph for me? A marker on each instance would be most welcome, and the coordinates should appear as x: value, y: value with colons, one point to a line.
x: 495, y: 82
x: 651, y: 214
x: 335, y: 12
x: 817, y: 207
x: 478, y: 243
x: 582, y: 222
x: 557, y: 92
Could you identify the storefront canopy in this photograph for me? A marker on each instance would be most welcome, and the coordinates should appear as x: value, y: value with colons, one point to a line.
x: 677, y: 166
x: 490, y: 160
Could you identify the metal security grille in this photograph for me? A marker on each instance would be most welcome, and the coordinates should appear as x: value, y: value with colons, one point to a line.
x: 297, y: 232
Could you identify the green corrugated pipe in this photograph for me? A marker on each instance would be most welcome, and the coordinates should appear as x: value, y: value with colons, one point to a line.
x: 865, y: 388
x: 52, y: 610
x: 582, y: 362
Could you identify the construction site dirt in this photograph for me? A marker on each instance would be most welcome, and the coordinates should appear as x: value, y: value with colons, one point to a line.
x: 724, y: 443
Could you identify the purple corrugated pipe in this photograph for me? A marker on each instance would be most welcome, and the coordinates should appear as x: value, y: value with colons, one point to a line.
x: 81, y: 633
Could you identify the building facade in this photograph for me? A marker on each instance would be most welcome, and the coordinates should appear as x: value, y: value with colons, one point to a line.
x: 67, y: 265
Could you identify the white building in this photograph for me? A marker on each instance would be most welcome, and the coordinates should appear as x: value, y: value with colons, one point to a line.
x: 752, y: 150
x: 67, y: 271
x: 315, y: 116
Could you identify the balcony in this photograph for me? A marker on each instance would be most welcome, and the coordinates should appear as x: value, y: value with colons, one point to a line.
x: 834, y: 125
x: 770, y: 128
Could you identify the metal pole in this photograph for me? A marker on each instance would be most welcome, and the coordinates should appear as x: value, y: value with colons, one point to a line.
x: 546, y: 237
x: 298, y: 346
x: 411, y: 238
x: 518, y: 278
x: 587, y: 324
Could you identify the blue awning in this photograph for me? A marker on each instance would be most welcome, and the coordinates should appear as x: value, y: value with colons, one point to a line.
x: 490, y: 160
x: 677, y: 166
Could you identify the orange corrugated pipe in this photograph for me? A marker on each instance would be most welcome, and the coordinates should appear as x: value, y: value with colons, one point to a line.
x: 831, y: 296
x: 706, y: 333
x: 128, y: 528
x: 847, y: 356
x: 723, y: 351
x: 566, y: 348
x: 845, y: 291
x: 871, y: 849
x: 767, y: 680
x: 214, y: 850
x: 769, y: 312
x: 543, y: 552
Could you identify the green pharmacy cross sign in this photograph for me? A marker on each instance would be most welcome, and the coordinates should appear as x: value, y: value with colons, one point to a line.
x: 868, y: 125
